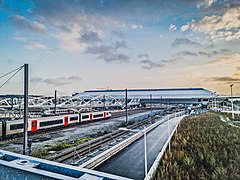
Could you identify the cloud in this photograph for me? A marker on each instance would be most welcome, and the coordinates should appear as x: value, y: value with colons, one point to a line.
x: 205, y: 3
x: 120, y: 44
x: 59, y: 81
x: 224, y: 27
x: 23, y: 23
x: 146, y: 56
x: 185, y: 41
x: 186, y: 53
x: 172, y: 27
x: 36, y: 79
x: 135, y: 26
x: 185, y: 27
x: 234, y: 58
x: 71, y: 40
x: 90, y: 37
x: 226, y: 79
x: 107, y: 53
x: 148, y: 64
x: 36, y: 45
x: 118, y: 33
x: 201, y: 53
x: 19, y: 38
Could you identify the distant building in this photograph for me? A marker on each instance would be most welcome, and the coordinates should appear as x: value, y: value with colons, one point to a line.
x: 185, y: 96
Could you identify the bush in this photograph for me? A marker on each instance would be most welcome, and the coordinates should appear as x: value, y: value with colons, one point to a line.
x: 203, y: 148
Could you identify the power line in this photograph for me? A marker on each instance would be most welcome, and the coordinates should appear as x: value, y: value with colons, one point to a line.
x: 19, y: 69
x: 11, y: 72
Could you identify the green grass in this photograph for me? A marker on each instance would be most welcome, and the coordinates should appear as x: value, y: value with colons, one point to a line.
x: 203, y: 148
x: 41, y: 153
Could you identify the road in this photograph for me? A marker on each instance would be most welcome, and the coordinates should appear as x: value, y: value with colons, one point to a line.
x: 130, y: 162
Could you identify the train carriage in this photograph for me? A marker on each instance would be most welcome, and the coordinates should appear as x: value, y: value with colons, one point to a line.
x: 9, y: 128
x: 15, y: 127
x: 50, y: 122
x: 85, y: 117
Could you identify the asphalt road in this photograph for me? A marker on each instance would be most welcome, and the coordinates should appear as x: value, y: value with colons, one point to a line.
x: 130, y: 161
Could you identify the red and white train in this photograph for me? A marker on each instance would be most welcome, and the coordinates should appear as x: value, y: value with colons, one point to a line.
x: 9, y: 128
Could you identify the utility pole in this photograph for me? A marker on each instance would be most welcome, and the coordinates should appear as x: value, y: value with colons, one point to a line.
x: 104, y: 105
x: 161, y: 102
x: 126, y: 102
x: 232, y: 99
x: 55, y: 102
x: 25, y: 124
x: 151, y: 102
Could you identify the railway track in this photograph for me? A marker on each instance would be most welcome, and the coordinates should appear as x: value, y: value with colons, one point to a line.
x: 35, y: 139
x: 92, y: 145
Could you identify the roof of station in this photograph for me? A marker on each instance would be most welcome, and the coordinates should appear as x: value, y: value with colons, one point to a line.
x: 174, y: 93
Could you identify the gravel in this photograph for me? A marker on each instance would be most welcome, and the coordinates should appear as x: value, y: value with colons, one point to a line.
x: 70, y: 134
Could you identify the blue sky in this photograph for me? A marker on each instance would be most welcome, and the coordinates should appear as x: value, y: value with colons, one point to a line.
x: 73, y: 45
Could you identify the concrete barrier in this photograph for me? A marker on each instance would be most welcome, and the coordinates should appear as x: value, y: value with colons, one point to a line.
x: 153, y: 169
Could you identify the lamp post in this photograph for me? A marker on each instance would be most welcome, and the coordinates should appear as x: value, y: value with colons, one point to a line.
x: 145, y: 144
x: 231, y: 85
x: 168, y: 133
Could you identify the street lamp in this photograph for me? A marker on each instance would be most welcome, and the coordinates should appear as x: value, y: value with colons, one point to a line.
x: 168, y: 133
x: 231, y: 85
x: 145, y: 144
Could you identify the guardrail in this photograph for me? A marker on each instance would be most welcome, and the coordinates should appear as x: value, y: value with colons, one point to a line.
x: 96, y: 161
x: 155, y: 165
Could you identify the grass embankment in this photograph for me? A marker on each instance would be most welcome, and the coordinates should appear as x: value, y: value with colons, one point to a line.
x: 41, y: 153
x: 203, y: 148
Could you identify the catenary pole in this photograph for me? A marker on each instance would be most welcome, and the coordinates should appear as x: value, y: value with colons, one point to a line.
x: 25, y: 124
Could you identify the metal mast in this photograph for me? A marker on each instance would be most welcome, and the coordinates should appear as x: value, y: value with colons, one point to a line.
x: 55, y: 102
x: 25, y: 124
x: 126, y: 102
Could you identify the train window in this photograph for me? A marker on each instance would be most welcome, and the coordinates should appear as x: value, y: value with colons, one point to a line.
x: 16, y: 126
x: 74, y: 118
x: 85, y: 116
x: 97, y: 115
x: 48, y: 123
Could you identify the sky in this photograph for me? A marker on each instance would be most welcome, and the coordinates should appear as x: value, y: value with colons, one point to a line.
x: 77, y: 45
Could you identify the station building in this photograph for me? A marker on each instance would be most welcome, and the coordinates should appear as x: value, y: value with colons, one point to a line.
x: 185, y: 96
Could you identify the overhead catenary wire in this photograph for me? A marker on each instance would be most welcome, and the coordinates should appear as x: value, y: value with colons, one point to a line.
x: 11, y: 72
x: 19, y: 69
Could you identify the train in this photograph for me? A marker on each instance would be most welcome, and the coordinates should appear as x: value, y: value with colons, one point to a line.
x: 9, y: 128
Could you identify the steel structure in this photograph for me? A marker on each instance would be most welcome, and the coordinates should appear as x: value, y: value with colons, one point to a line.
x: 12, y: 105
